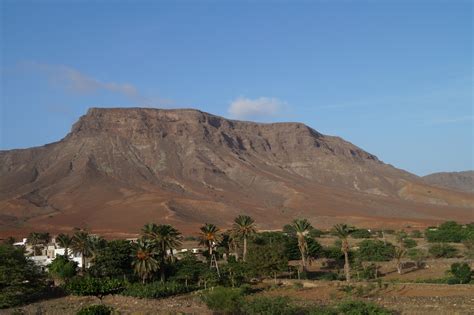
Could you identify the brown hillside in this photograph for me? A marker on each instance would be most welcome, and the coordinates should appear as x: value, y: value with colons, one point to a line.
x: 120, y: 168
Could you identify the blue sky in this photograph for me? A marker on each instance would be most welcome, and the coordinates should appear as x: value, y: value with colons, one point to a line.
x: 393, y: 77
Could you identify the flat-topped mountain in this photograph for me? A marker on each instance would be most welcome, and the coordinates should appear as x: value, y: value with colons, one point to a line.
x: 120, y: 168
x: 462, y: 181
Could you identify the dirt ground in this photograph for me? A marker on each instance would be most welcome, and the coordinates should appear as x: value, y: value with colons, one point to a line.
x: 407, y: 298
x: 403, y: 298
x: 186, y: 304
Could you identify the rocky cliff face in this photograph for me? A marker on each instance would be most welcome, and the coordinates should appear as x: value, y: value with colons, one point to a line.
x: 462, y: 181
x: 120, y: 168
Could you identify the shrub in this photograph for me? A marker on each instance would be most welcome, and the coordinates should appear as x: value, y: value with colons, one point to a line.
x: 375, y: 250
x: 443, y: 250
x: 449, y: 232
x: 155, y: 290
x: 62, y: 268
x: 416, y: 234
x: 98, y: 287
x: 263, y: 305
x: 221, y: 299
x: 361, y: 307
x: 361, y: 233
x: 409, y: 243
x: 462, y: 273
x: 315, y: 233
x: 95, y: 310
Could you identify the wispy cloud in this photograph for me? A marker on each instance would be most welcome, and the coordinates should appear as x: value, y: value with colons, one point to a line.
x: 79, y: 82
x: 253, y: 108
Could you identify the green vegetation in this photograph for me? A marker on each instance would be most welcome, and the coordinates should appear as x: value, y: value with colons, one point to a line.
x: 150, y: 267
x: 95, y: 310
x: 449, y: 232
x: 21, y: 281
x: 157, y: 289
x: 361, y: 233
x: 98, y: 287
x: 461, y: 273
x: 113, y: 260
x: 224, y: 300
x: 62, y: 269
x: 376, y: 250
x: 443, y: 250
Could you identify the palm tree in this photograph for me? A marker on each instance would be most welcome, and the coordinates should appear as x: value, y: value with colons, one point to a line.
x: 144, y: 262
x: 343, y: 231
x: 81, y: 243
x: 166, y: 237
x: 65, y: 241
x: 35, y: 240
x: 209, y: 236
x: 244, y: 227
x: 301, y: 228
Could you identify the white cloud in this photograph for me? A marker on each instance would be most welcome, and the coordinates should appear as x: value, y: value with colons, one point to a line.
x: 252, y: 108
x: 78, y: 82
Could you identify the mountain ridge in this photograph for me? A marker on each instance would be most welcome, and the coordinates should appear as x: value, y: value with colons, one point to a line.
x: 184, y: 167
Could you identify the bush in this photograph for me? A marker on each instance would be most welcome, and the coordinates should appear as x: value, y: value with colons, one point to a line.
x: 62, y: 268
x: 21, y: 281
x: 361, y: 308
x: 263, y: 305
x: 416, y: 234
x: 449, y: 232
x: 462, y: 273
x: 155, y: 290
x: 409, y: 243
x: 98, y: 287
x: 221, y: 299
x: 95, y: 310
x: 375, y: 250
x: 361, y: 233
x: 443, y: 250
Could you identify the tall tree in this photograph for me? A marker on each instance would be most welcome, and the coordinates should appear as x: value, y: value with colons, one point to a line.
x: 244, y: 227
x: 65, y: 241
x: 301, y: 228
x: 209, y: 236
x: 144, y: 260
x: 166, y: 238
x: 400, y: 252
x: 81, y: 243
x: 343, y: 231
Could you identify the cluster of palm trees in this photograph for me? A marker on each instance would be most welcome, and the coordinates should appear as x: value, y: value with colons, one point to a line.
x: 154, y: 250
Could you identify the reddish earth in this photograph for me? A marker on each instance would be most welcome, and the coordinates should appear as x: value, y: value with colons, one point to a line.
x: 120, y: 168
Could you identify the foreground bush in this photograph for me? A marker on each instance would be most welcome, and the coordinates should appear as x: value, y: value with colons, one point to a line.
x: 94, y: 286
x: 266, y: 305
x: 95, y: 310
x: 21, y: 281
x: 221, y: 299
x: 156, y: 290
x: 360, y: 308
